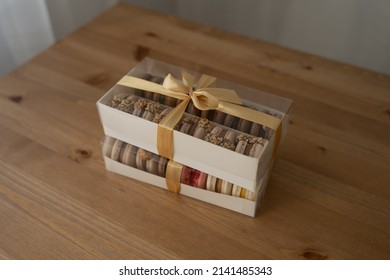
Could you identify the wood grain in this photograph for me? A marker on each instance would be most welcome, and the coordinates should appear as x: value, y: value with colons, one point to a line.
x: 328, y: 196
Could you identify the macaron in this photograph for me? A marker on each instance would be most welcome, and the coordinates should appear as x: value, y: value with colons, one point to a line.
x: 185, y: 177
x: 248, y: 148
x: 244, y: 125
x: 150, y: 110
x: 117, y: 99
x: 188, y: 124
x: 235, y: 122
x: 242, y: 142
x: 162, y: 166
x: 142, y: 157
x: 229, y: 140
x: 159, y: 116
x: 216, y: 135
x: 129, y: 155
x: 202, y: 128
x: 145, y: 94
x: 152, y: 165
x: 116, y: 149
x: 198, y: 179
x: 107, y: 146
x: 139, y: 107
x: 191, y: 109
x: 204, y: 113
x: 156, y: 96
x: 170, y: 101
x: 211, y: 183
x: 228, y: 120
x: 256, y: 149
x: 226, y: 187
x: 257, y: 130
x: 219, y: 117
x: 247, y: 194
x: 254, y: 146
x: 218, y: 185
x: 236, y: 190
x: 191, y: 130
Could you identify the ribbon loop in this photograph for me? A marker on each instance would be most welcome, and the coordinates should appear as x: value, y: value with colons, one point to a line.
x: 204, y: 100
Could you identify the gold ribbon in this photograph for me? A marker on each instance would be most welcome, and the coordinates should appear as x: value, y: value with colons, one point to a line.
x: 204, y: 97
x: 173, y: 175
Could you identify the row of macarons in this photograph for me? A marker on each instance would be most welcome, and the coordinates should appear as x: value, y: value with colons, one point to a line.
x: 198, y: 127
x: 157, y: 165
x: 215, y: 116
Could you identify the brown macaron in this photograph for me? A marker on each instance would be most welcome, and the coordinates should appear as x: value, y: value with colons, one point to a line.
x: 129, y: 155
x: 139, y: 107
x: 162, y: 166
x: 117, y: 149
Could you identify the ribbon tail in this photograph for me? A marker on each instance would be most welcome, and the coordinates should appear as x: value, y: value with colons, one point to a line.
x: 223, y: 94
x: 134, y: 82
x: 165, y: 129
x: 205, y: 81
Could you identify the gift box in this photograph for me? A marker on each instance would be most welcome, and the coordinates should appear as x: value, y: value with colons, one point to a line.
x: 213, y: 127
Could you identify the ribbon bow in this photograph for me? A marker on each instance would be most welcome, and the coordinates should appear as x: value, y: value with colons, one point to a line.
x: 204, y: 98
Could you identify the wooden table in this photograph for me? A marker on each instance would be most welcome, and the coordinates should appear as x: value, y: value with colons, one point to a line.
x: 328, y: 196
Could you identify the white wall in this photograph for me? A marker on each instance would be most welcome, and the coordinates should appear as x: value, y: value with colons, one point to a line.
x: 27, y: 27
x: 25, y: 30
x: 353, y: 31
x: 68, y: 15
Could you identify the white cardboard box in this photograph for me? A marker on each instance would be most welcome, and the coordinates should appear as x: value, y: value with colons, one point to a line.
x: 241, y: 205
x: 231, y: 166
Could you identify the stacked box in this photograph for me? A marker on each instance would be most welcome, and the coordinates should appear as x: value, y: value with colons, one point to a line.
x: 224, y: 159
